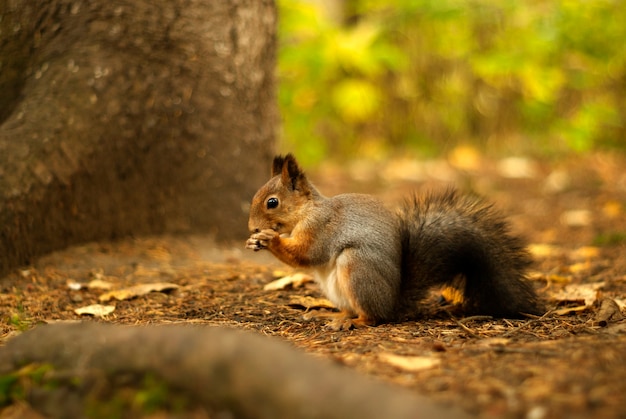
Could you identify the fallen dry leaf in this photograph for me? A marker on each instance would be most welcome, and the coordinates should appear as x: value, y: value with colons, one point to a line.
x: 296, y: 280
x: 137, y: 290
x: 465, y: 158
x: 576, y: 218
x: 620, y: 303
x: 557, y: 181
x: 99, y: 284
x: 561, y: 279
x: 543, y: 250
x: 73, y: 285
x: 97, y: 310
x: 517, y: 168
x: 585, y: 252
x: 612, y: 209
x: 609, y: 310
x: 494, y: 342
x: 309, y: 302
x: 93, y: 284
x: 586, y: 293
x: 409, y: 363
x: 570, y: 310
x: 279, y: 273
x: 580, y: 267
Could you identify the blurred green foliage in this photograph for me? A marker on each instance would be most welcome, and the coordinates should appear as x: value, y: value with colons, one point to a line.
x: 369, y: 78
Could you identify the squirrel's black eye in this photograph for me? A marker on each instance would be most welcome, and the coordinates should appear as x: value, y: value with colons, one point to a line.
x: 272, y: 203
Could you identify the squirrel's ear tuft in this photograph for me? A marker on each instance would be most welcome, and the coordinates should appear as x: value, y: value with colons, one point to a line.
x: 291, y: 173
x: 277, y: 165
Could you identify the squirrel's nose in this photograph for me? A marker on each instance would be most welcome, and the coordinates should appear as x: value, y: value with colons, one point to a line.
x: 252, y: 228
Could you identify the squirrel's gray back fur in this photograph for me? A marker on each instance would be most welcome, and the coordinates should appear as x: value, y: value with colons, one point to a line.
x: 362, y: 225
x: 446, y: 237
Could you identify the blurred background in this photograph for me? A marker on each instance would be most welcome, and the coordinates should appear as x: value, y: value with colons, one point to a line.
x: 367, y: 79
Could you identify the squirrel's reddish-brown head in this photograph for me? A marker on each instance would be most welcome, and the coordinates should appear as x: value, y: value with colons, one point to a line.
x: 277, y: 205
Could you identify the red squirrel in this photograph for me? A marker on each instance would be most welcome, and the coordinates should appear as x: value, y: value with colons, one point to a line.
x: 375, y: 265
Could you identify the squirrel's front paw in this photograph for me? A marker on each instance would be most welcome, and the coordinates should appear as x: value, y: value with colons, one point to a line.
x: 261, y: 240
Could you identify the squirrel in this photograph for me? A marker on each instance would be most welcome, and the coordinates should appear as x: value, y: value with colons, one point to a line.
x: 375, y: 265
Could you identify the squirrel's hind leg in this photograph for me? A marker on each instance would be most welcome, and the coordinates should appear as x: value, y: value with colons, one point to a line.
x: 339, y: 285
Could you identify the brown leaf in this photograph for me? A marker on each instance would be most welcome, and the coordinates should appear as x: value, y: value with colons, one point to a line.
x: 584, y: 253
x: 613, y: 209
x: 137, y: 290
x: 74, y: 285
x: 93, y: 284
x: 570, y: 310
x: 296, y: 280
x: 310, y: 302
x: 543, y: 250
x: 97, y: 310
x: 494, y: 342
x: 99, y: 284
x: 577, y: 218
x: 409, y: 363
x: 517, y: 168
x: 465, y: 158
x: 609, y: 310
x: 579, y: 292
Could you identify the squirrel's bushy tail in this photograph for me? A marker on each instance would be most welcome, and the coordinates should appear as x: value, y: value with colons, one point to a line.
x: 447, y: 236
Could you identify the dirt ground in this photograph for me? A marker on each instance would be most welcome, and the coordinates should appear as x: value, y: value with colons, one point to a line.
x: 568, y: 363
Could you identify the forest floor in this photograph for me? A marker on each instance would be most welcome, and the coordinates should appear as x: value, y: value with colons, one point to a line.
x: 569, y: 363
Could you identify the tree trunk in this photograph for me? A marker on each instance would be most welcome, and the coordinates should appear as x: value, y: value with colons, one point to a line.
x: 131, y: 117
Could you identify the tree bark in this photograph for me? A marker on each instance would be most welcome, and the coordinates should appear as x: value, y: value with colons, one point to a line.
x: 131, y: 117
x: 247, y: 375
